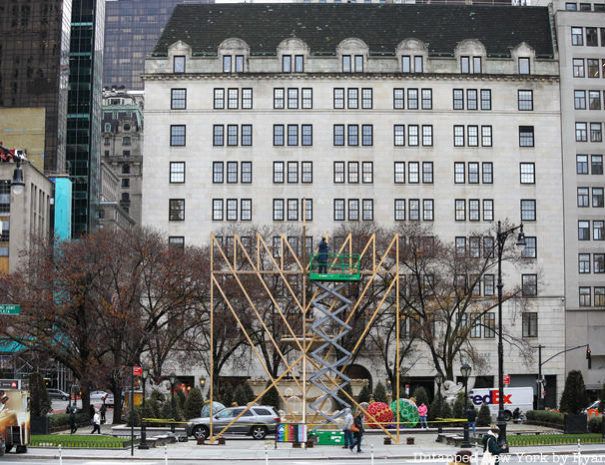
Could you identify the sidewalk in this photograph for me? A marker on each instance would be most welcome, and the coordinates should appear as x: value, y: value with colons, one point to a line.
x: 248, y: 449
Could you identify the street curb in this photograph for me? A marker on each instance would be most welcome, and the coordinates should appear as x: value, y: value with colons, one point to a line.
x: 365, y: 456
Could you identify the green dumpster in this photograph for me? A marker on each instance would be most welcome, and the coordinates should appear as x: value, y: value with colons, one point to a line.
x: 329, y: 437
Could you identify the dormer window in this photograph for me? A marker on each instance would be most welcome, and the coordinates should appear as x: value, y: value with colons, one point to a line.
x: 524, y: 65
x: 233, y: 63
x: 412, y: 64
x: 352, y: 63
x: 470, y: 64
x: 293, y: 63
x: 178, y: 64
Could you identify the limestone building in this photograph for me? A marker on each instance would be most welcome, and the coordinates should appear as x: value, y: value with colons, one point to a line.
x: 581, y: 41
x: 367, y: 113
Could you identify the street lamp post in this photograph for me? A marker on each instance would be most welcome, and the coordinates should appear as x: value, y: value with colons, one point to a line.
x: 465, y: 370
x: 143, y: 444
x: 502, y: 236
x: 202, y: 384
x: 172, y: 403
x: 439, y: 380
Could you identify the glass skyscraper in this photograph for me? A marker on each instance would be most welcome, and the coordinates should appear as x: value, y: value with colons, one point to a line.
x: 84, y: 111
x: 132, y: 28
x: 34, y: 48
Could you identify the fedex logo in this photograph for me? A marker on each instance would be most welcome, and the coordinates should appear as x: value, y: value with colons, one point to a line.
x: 492, y: 397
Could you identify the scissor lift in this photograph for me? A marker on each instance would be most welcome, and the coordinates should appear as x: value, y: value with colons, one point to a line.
x: 330, y: 308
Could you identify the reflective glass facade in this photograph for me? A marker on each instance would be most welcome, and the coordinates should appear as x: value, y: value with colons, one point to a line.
x: 34, y: 48
x: 132, y: 28
x: 84, y: 111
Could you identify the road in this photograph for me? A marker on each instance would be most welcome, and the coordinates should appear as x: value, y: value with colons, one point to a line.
x: 363, y: 459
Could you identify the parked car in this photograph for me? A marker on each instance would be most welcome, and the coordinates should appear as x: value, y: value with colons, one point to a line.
x: 98, y: 396
x: 258, y: 422
x: 57, y: 394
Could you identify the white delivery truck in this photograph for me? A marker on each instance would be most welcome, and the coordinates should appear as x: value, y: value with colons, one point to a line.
x: 516, y: 397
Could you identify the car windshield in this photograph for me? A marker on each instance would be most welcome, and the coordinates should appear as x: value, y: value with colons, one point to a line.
x: 224, y: 414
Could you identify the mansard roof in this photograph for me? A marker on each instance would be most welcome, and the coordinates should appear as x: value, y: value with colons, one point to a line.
x: 323, y: 26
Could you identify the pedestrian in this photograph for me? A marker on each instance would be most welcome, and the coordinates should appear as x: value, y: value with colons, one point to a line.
x: 322, y: 256
x: 357, y: 429
x: 96, y: 423
x: 73, y: 427
x: 91, y: 412
x: 423, y: 411
x: 471, y: 417
x: 346, y: 428
x: 103, y: 411
x: 462, y: 457
x: 491, y: 448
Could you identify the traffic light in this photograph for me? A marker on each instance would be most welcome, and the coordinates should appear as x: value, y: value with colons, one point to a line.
x: 588, y: 357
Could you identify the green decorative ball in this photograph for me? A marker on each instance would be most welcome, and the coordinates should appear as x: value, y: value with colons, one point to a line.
x: 408, y: 412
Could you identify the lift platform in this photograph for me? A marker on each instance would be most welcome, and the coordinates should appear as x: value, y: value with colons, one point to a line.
x: 339, y: 267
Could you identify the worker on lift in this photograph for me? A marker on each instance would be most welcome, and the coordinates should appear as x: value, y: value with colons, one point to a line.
x: 322, y: 256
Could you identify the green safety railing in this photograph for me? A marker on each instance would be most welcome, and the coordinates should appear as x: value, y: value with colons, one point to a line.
x: 339, y: 267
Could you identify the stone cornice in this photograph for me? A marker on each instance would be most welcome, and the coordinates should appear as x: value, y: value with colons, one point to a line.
x: 349, y: 77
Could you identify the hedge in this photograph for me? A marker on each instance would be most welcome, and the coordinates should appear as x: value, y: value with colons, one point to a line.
x: 60, y: 421
x: 595, y: 424
x: 545, y: 418
x: 78, y: 441
x: 553, y: 439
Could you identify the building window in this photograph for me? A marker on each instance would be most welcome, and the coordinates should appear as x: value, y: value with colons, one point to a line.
x: 596, y: 132
x: 598, y: 230
x: 399, y: 172
x: 473, y: 210
x: 472, y: 136
x: 292, y: 98
x: 489, y: 324
x: 231, y: 214
x: 292, y: 209
x: 458, y: 99
x: 577, y: 36
x: 232, y: 172
x: 292, y: 134
x: 598, y: 262
x: 470, y: 65
x: 233, y: 63
x: 339, y: 135
x: 399, y: 135
x: 177, y: 172
x: 427, y: 135
x: 592, y: 68
x: 428, y: 209
x: 306, y: 172
x: 246, y: 98
x: 176, y: 242
x: 528, y: 210
x: 293, y: 63
x: 245, y: 209
x: 488, y: 210
x: 218, y: 102
x: 530, y: 248
x: 178, y: 64
x: 529, y: 285
x: 578, y: 67
x: 581, y: 132
x: 218, y: 135
x: 486, y: 99
x: 413, y: 172
x: 367, y: 210
x: 306, y: 98
x: 414, y: 213
x: 246, y: 136
x: 596, y: 164
x: 413, y: 135
x: 339, y: 209
x: 412, y: 99
x: 352, y: 63
x: 585, y: 297
x: 278, y: 210
x: 599, y: 296
x: 232, y: 99
x: 398, y: 99
x: 427, y: 99
x: 278, y: 134
x: 353, y: 210
x: 367, y: 135
x: 527, y: 173
x: 486, y: 136
x: 460, y: 209
x: 217, y: 209
x: 278, y: 98
x: 526, y: 136
x: 597, y: 197
x: 427, y: 172
x: 339, y: 98
x: 399, y: 210
x: 178, y: 99
x: 579, y: 100
x: 367, y: 172
x: 584, y: 263
x: 530, y: 324
x: 488, y: 285
x: 177, y: 135
x: 232, y: 135
x: 524, y: 65
x: 458, y: 136
x: 525, y: 100
x: 581, y: 164
x: 353, y: 134
x: 594, y: 99
x: 471, y: 99
x: 292, y: 175
x: 176, y: 210
x: 218, y: 172
x: 487, y: 172
x: 583, y: 230
x: 367, y: 98
x: 459, y: 173
x: 353, y: 167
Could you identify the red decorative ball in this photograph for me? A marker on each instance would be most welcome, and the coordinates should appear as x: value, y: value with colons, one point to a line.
x: 381, y: 413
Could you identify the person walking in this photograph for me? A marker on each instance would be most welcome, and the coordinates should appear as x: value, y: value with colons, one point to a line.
x: 471, y: 417
x: 491, y: 448
x: 73, y: 427
x: 322, y: 256
x: 357, y: 429
x: 103, y: 411
x: 96, y: 423
x: 346, y: 428
x: 423, y: 412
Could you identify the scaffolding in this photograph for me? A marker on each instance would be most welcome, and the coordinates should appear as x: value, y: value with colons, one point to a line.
x: 242, y: 270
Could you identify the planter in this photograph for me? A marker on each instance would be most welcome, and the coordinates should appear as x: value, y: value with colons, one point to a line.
x: 575, y: 424
x: 39, y: 425
x: 409, y: 441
